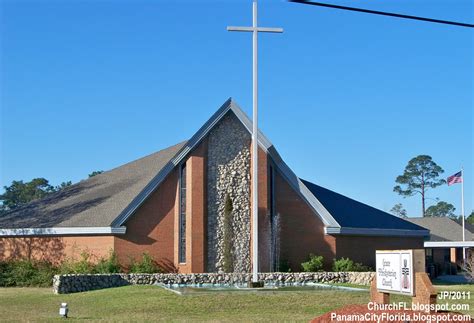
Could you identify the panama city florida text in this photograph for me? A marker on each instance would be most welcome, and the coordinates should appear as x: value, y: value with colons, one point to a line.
x: 400, y: 317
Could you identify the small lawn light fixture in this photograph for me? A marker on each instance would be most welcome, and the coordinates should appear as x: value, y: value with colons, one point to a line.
x: 63, y: 310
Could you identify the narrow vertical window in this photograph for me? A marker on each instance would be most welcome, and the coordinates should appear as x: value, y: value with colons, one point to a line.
x: 271, y: 192
x: 274, y: 224
x: 182, y: 214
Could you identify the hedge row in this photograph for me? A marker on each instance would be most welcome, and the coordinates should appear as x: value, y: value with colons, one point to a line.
x: 316, y: 263
x: 24, y: 273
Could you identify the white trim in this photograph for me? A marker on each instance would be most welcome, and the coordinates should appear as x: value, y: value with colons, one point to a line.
x: 377, y: 232
x: 286, y: 171
x: 62, y: 231
x: 449, y: 244
x: 263, y: 142
x: 331, y: 225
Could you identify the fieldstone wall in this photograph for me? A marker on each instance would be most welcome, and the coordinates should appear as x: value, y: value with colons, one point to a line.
x: 228, y: 172
x: 64, y: 284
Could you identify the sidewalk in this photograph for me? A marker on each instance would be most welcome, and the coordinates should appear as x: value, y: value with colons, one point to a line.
x: 456, y: 279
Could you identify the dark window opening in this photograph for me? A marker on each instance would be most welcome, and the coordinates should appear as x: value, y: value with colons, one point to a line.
x: 182, y: 214
x: 274, y: 223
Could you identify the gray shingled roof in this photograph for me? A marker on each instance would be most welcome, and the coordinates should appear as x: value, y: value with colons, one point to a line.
x: 94, y: 202
x: 442, y: 228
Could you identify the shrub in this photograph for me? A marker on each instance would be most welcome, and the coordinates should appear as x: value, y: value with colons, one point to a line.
x: 346, y: 264
x: 4, y: 272
x: 44, y: 274
x: 83, y: 266
x: 109, y: 265
x: 145, y: 266
x: 360, y: 267
x: 315, y: 263
x: 342, y: 264
x: 21, y: 273
x: 26, y: 273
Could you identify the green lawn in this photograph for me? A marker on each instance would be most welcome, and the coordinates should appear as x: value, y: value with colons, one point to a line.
x: 150, y: 303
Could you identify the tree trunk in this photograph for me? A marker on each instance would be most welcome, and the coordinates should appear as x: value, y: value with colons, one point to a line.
x: 423, y: 203
x: 423, y: 194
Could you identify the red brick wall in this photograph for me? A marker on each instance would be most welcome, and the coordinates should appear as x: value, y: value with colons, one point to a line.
x: 155, y: 225
x: 302, y: 232
x: 154, y: 228
x: 55, y: 249
x: 198, y: 206
x: 362, y: 249
x: 151, y: 228
x: 195, y: 213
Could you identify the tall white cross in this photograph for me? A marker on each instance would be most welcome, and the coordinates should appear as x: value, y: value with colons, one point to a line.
x: 255, y: 30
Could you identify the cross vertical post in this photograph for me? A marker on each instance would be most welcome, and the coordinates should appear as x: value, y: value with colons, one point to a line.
x: 255, y: 30
x: 463, y: 217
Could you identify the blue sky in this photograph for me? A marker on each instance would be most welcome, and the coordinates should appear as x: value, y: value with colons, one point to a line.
x: 347, y: 98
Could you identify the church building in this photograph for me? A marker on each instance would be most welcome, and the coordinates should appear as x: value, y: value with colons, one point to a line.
x: 171, y: 204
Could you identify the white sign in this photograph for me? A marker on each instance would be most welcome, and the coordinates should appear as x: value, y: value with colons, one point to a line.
x: 394, y: 271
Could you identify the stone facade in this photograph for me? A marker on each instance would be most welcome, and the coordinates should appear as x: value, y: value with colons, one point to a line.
x: 64, y: 284
x: 228, y: 172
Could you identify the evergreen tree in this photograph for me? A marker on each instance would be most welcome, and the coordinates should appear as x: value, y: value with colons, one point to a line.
x: 421, y: 174
x: 228, y: 265
x: 399, y: 211
x: 441, y: 209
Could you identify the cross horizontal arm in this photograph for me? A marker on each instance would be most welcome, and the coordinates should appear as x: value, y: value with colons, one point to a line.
x: 270, y: 30
x: 234, y: 28
x: 259, y: 29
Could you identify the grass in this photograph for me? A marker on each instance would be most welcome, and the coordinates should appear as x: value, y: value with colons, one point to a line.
x: 151, y: 303
x: 351, y: 285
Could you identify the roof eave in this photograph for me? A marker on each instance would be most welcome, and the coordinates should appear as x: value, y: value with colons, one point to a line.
x: 449, y: 244
x: 376, y: 232
x: 63, y: 231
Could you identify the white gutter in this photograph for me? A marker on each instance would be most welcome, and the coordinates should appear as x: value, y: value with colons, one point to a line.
x: 377, y: 232
x: 449, y: 244
x: 62, y: 231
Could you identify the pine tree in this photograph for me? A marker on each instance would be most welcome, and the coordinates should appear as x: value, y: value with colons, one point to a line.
x: 421, y: 174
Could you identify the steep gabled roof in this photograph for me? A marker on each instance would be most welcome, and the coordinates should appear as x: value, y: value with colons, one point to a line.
x: 358, y: 218
x: 94, y: 202
x: 265, y: 144
x: 102, y: 204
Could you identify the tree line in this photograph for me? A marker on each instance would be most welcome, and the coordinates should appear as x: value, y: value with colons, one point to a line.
x: 420, y: 175
x: 20, y: 193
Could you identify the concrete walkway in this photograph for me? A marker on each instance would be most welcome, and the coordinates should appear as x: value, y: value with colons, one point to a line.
x: 455, y: 279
